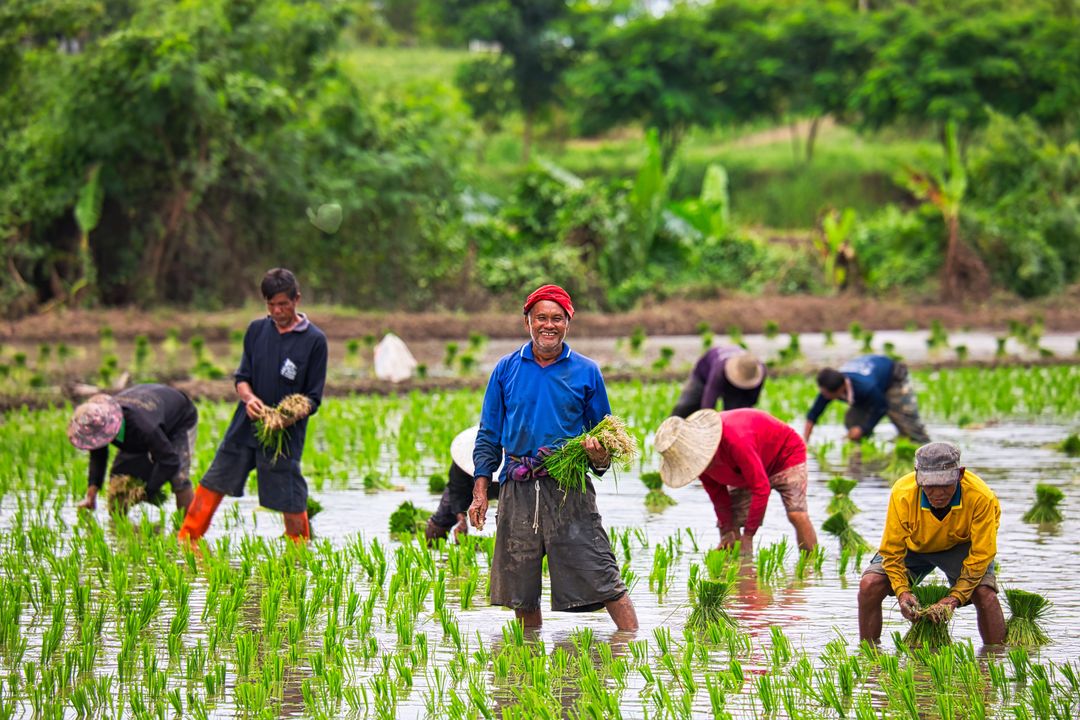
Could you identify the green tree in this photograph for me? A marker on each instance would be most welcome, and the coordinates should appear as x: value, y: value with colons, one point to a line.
x: 531, y: 34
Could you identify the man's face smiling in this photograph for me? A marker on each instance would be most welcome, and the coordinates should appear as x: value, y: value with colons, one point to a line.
x: 547, y: 323
x: 282, y: 309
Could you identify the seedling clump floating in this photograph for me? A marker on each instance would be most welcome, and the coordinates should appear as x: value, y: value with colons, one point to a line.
x: 1026, y: 610
x: 569, y: 465
x: 850, y: 540
x: 841, y: 502
x: 656, y: 499
x: 1047, y: 498
x: 707, y: 602
x: 407, y: 519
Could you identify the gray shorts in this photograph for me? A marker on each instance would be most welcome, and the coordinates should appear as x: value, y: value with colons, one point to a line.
x: 141, y: 466
x: 950, y: 562
x: 583, y: 570
x: 282, y: 486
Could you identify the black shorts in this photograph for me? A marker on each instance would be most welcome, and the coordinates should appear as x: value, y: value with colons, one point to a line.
x: 282, y: 487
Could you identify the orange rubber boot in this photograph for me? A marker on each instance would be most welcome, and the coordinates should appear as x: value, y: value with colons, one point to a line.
x: 296, y: 526
x: 199, y: 514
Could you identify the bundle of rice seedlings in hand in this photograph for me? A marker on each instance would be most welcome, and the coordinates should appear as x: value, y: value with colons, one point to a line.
x: 1045, y: 508
x: 931, y: 627
x: 314, y: 507
x: 1026, y: 609
x: 841, y: 503
x: 850, y: 540
x: 707, y: 602
x: 656, y: 499
x: 271, y: 428
x: 569, y: 464
x: 407, y: 519
x: 123, y: 492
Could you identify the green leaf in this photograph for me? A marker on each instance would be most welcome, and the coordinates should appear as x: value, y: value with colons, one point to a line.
x: 91, y: 197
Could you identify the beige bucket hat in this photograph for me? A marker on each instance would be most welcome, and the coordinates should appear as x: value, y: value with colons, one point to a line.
x: 687, y: 446
x: 744, y: 371
x: 461, y: 450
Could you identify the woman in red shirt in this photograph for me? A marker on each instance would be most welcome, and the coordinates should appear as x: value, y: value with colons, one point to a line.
x: 740, y: 457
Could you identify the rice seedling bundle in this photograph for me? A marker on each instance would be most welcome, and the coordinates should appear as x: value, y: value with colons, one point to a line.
x: 569, y: 465
x: 931, y: 626
x: 707, y: 602
x: 272, y: 426
x: 850, y: 540
x: 1047, y: 498
x: 841, y: 503
x: 656, y: 499
x: 1070, y: 445
x: 407, y: 519
x: 123, y: 492
x: 1026, y: 609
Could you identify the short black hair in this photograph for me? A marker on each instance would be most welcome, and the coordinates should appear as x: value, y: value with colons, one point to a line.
x: 830, y: 379
x: 279, y: 280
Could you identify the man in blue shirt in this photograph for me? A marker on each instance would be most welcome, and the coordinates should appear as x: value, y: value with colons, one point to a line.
x: 537, y: 397
x: 284, y: 354
x: 873, y: 386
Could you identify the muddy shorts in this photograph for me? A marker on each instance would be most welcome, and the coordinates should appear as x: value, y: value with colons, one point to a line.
x: 141, y: 466
x: 583, y: 570
x: 901, y: 407
x: 282, y: 487
x: 950, y: 562
x: 789, y: 483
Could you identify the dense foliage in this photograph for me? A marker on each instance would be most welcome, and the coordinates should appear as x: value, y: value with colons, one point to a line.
x: 153, y: 151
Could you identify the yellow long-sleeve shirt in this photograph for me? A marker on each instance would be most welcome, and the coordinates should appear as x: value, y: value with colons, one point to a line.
x: 911, y: 525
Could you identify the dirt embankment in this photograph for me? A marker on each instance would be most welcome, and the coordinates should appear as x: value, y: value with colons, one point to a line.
x: 750, y: 314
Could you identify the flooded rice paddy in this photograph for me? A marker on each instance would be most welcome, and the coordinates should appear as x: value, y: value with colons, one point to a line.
x: 105, y: 617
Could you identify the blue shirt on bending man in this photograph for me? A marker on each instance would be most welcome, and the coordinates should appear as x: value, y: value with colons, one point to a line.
x: 873, y: 386
x: 539, y: 396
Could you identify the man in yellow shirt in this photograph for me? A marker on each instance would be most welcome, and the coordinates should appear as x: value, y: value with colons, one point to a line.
x: 940, y: 516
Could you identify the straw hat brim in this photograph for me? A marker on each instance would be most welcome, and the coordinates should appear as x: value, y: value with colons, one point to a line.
x: 733, y: 371
x: 688, y: 446
x: 461, y: 450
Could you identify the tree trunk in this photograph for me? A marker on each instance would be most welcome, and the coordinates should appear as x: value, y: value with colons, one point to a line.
x: 793, y: 127
x: 811, y: 136
x: 949, y: 285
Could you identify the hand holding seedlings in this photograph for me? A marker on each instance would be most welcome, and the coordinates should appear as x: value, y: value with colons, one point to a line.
x: 254, y: 407
x: 598, y: 454
x: 909, y: 606
x: 942, y: 610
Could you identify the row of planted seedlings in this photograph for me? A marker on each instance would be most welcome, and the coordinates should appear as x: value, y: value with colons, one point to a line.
x: 121, y: 621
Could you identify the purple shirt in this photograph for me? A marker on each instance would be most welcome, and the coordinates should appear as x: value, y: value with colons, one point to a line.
x: 710, y: 371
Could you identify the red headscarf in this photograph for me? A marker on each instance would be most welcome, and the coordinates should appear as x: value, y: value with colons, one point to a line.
x: 553, y: 293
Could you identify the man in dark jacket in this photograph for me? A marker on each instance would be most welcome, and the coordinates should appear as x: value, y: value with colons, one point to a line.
x: 153, y: 428
x: 284, y: 354
x: 873, y: 386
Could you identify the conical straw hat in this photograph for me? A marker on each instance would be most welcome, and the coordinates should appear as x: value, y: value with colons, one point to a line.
x: 461, y: 450
x: 687, y: 446
x: 744, y: 371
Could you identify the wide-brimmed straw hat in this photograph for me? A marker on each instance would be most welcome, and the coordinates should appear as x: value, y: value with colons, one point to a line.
x: 744, y: 371
x: 461, y: 450
x: 937, y: 464
x: 95, y: 423
x: 687, y: 446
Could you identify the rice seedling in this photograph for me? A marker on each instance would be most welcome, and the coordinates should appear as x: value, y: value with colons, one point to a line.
x: 931, y: 626
x: 123, y: 493
x: 850, y: 540
x: 828, y: 337
x: 707, y: 601
x: 1070, y: 445
x: 570, y: 465
x: 271, y: 428
x: 656, y: 499
x: 1026, y: 609
x: 637, y: 340
x: 1045, y: 510
x: 772, y: 329
x: 664, y: 361
x: 841, y: 502
x: 868, y: 342
x: 437, y: 483
x: 407, y: 520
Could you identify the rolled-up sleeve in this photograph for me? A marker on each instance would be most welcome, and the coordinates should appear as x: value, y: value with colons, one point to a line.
x: 487, y: 453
